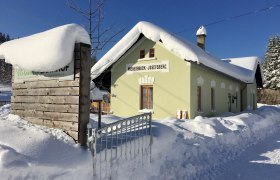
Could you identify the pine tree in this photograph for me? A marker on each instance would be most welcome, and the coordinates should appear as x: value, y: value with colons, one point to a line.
x: 5, y: 69
x: 271, y: 65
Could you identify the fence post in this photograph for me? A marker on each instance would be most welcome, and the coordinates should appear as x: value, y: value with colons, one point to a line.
x: 150, y: 123
x: 93, y: 150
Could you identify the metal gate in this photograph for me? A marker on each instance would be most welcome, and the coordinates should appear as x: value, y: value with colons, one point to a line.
x: 127, y: 139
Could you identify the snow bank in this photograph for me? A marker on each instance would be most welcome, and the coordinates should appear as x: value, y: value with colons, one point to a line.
x: 35, y: 152
x: 184, y: 49
x: 201, y: 147
x: 45, y: 51
x: 182, y: 149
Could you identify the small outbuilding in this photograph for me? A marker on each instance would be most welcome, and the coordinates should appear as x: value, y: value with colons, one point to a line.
x: 51, y: 78
x: 152, y: 70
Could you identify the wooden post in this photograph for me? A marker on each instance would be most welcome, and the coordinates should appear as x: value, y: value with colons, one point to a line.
x: 84, y: 99
x: 99, y: 114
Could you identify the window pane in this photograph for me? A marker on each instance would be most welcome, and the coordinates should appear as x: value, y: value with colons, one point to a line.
x: 236, y: 95
x: 212, y: 99
x: 198, y: 98
x: 144, y: 98
x: 152, y: 53
x: 142, y: 54
x: 150, y: 98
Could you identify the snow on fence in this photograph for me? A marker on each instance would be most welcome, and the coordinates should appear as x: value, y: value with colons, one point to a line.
x: 126, y: 139
x: 57, y: 102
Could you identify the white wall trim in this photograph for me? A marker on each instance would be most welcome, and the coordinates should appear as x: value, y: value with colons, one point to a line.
x: 146, y: 80
x: 223, y: 86
x: 147, y: 59
x: 213, y: 83
x: 146, y: 111
x: 200, y: 81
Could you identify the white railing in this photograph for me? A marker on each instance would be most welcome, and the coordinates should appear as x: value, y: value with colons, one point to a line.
x: 126, y: 139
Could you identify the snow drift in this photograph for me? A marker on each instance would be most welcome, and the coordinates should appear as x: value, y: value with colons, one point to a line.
x: 45, y: 51
x: 182, y: 149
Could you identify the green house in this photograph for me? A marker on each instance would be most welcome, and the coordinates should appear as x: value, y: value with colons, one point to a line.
x: 151, y: 70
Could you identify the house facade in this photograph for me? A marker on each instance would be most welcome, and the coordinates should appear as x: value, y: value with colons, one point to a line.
x: 153, y: 76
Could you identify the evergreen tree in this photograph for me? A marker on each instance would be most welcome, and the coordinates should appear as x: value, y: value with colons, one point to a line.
x: 5, y: 69
x: 271, y: 65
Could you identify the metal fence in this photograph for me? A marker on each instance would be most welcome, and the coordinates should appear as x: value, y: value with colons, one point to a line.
x: 129, y: 139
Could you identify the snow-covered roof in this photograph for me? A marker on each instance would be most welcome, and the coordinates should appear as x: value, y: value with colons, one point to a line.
x: 46, y: 51
x: 249, y: 63
x: 183, y: 48
x: 201, y: 31
x: 95, y: 93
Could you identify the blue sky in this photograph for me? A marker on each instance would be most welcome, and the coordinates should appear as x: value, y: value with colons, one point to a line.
x: 245, y: 36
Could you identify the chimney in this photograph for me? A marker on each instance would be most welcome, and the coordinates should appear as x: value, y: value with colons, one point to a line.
x: 201, y: 35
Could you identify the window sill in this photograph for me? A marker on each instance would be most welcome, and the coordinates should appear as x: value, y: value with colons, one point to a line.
x: 200, y: 112
x: 146, y: 111
x: 147, y: 59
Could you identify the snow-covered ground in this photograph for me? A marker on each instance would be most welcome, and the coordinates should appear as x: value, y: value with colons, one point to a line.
x: 227, y: 147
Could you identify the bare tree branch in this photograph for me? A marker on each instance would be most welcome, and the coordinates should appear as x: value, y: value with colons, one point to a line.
x: 112, y: 37
x: 94, y: 17
x: 71, y: 5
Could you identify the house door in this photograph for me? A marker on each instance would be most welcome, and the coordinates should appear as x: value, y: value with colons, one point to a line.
x: 229, y: 102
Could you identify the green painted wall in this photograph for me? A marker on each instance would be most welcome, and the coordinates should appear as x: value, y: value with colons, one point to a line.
x: 251, y: 96
x: 224, y: 86
x: 171, y: 89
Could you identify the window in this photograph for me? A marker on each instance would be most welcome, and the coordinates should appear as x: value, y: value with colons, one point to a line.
x: 212, y: 99
x: 199, y: 99
x: 254, y: 101
x: 142, y: 54
x: 152, y: 53
x: 236, y: 97
x: 229, y: 102
x: 146, y: 97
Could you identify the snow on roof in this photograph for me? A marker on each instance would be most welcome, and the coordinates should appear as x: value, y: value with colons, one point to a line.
x: 201, y: 31
x: 46, y: 51
x: 183, y: 48
x: 95, y: 93
x: 249, y: 63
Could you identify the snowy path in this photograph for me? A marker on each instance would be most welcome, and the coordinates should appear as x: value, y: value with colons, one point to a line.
x: 259, y: 162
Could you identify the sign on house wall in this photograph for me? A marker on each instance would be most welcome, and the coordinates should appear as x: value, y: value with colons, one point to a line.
x: 65, y: 73
x: 162, y: 66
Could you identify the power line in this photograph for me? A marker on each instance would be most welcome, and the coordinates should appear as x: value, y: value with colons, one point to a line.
x: 233, y: 17
x: 213, y: 23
